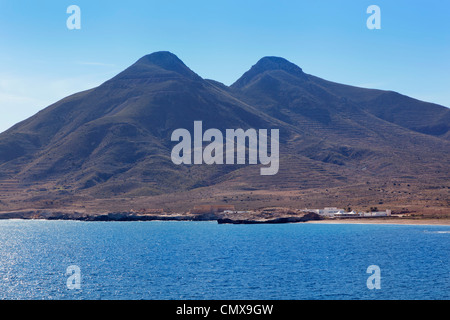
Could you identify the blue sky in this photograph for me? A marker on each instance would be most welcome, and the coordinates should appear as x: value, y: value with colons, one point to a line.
x: 42, y: 61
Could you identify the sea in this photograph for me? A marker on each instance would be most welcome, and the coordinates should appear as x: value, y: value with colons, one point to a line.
x: 173, y: 260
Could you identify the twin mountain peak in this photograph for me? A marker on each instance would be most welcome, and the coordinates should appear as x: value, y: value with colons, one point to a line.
x: 115, y: 139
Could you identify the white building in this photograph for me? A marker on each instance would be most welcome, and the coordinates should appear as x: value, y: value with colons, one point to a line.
x: 377, y: 213
x: 346, y: 214
x: 335, y: 212
x: 328, y: 212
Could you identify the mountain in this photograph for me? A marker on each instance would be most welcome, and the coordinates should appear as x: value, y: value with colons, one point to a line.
x: 119, y: 133
x: 284, y: 90
x: 339, y: 145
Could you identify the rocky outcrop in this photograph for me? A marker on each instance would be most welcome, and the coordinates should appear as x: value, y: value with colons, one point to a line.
x: 221, y: 218
x: 292, y: 219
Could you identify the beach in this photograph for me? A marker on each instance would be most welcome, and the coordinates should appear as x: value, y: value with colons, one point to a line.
x: 404, y: 221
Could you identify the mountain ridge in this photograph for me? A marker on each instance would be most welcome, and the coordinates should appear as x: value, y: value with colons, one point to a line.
x: 113, y: 141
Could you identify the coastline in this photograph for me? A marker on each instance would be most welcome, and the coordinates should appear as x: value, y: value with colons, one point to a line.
x: 221, y: 218
x: 397, y: 221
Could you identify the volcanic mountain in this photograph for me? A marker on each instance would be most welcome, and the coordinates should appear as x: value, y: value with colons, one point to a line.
x: 339, y: 145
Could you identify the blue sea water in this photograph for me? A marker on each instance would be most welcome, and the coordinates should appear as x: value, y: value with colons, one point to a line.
x: 204, y: 260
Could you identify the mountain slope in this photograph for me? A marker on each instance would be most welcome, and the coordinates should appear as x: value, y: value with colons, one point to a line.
x: 107, y: 133
x: 353, y: 123
x: 113, y: 141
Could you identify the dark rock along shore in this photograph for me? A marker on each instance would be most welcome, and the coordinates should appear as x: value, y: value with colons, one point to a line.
x: 127, y: 216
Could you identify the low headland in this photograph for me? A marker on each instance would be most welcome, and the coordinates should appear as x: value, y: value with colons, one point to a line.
x: 274, y: 215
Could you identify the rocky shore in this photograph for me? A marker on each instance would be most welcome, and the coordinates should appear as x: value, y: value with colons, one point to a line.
x: 271, y: 216
x: 292, y: 219
x: 221, y: 218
